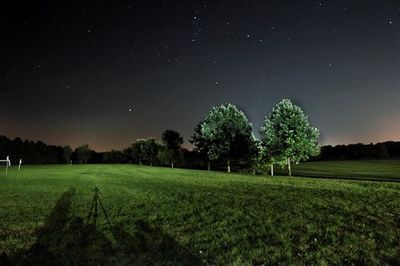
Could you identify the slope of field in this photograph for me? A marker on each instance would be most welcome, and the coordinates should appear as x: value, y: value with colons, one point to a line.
x: 386, y: 170
x: 194, y: 217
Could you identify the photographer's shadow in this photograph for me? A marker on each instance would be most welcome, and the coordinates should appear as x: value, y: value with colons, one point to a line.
x: 67, y: 240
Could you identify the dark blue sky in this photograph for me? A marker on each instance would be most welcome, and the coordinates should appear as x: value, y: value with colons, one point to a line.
x: 70, y: 71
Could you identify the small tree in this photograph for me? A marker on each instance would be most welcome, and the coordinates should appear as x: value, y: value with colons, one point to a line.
x: 228, y: 134
x: 150, y: 150
x: 137, y: 148
x: 171, y: 152
x: 67, y: 153
x: 287, y: 135
x: 83, y: 152
x: 201, y: 144
x: 145, y: 151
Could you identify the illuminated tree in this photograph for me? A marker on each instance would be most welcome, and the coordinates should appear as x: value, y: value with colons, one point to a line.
x: 227, y: 134
x: 287, y: 135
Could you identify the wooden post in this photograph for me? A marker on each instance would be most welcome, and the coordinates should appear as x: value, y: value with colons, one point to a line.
x: 209, y: 166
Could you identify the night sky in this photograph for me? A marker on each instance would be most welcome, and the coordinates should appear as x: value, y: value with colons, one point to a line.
x: 107, y: 73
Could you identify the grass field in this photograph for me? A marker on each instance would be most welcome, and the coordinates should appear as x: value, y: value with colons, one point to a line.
x: 387, y: 170
x: 162, y: 215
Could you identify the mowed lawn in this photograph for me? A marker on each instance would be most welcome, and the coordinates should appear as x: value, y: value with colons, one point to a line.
x: 388, y: 170
x: 195, y: 217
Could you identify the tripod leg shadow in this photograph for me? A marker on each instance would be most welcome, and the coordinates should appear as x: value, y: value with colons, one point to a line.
x: 66, y: 240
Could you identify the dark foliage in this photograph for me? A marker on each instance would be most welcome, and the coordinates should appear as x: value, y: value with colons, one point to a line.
x: 40, y: 153
x: 384, y: 150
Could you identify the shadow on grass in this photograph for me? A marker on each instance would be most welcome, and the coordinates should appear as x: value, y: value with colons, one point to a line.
x: 66, y: 240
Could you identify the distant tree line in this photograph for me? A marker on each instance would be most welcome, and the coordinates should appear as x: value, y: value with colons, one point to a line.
x: 383, y: 150
x: 40, y: 153
x: 223, y: 140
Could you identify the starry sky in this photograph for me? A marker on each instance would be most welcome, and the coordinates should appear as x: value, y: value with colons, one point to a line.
x: 107, y: 73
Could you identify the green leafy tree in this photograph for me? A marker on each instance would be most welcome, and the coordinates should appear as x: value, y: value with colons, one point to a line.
x: 228, y: 134
x: 83, y: 153
x: 287, y: 136
x: 171, y: 152
x: 67, y: 153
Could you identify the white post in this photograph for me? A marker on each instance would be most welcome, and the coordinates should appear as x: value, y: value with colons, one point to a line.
x: 8, y: 164
x: 19, y: 165
x: 272, y: 170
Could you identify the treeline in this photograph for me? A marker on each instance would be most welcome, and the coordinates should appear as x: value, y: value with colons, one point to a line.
x: 30, y: 152
x: 222, y: 139
x: 143, y: 151
x: 383, y: 150
x: 40, y: 153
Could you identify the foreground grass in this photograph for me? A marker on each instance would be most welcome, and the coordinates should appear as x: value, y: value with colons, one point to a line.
x: 384, y: 170
x: 218, y: 218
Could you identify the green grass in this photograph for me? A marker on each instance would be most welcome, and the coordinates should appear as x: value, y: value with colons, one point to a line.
x: 187, y: 216
x: 387, y: 170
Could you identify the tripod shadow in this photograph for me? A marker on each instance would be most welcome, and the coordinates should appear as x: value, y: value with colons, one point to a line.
x: 67, y: 240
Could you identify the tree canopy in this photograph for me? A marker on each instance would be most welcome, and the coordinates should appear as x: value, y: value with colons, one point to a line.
x: 227, y: 134
x: 171, y: 152
x: 84, y: 153
x: 287, y: 135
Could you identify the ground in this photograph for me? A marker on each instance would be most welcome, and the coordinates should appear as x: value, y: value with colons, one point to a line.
x: 162, y: 215
x: 387, y: 170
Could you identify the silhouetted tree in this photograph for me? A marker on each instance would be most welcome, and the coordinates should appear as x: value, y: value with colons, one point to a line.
x: 114, y: 157
x: 171, y: 152
x: 150, y: 149
x: 137, y: 149
x: 83, y: 153
x: 202, y: 147
x: 67, y: 153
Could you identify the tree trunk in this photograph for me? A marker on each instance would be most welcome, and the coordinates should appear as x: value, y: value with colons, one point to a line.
x: 289, y: 167
x: 172, y: 165
x: 229, y: 166
x: 209, y: 166
x: 272, y: 170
